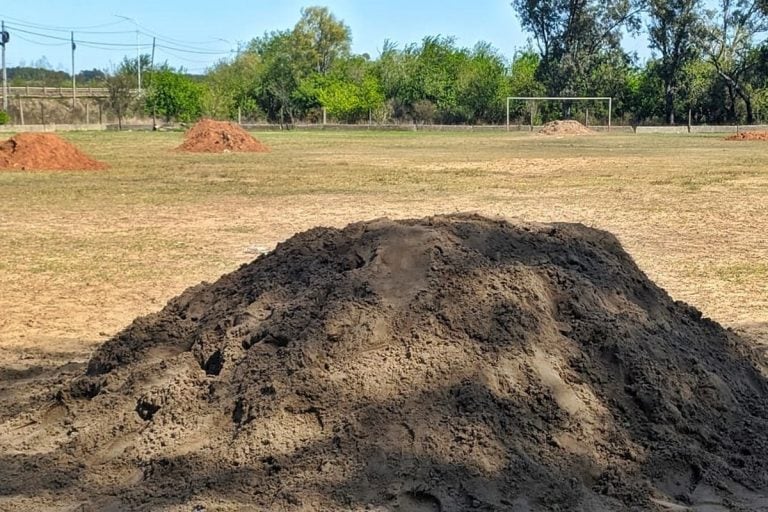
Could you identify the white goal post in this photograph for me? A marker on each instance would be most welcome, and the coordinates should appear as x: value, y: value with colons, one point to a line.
x: 561, y: 98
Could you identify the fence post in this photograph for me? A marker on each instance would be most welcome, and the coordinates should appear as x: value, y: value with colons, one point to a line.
x: 21, y: 110
x: 531, y: 116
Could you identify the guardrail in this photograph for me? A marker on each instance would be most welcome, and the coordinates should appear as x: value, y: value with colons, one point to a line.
x: 58, y: 92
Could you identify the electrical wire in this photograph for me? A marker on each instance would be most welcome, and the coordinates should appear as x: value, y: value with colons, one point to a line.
x: 177, y: 42
x: 39, y: 42
x: 120, y: 45
x: 83, y: 41
x: 59, y: 28
x: 175, y: 48
x: 165, y: 51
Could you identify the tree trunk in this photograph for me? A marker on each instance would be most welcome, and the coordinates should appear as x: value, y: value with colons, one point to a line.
x: 669, y: 103
x: 747, y: 103
x: 732, y: 105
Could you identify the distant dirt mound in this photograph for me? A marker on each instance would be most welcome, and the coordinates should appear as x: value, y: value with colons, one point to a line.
x: 444, y: 364
x: 749, y: 136
x: 44, y: 151
x: 208, y: 136
x: 565, y: 128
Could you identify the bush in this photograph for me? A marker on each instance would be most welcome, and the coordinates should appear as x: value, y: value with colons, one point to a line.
x: 4, y: 118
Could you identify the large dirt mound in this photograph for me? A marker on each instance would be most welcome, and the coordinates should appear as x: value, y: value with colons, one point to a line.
x: 44, y: 151
x: 208, y: 136
x: 748, y: 136
x: 444, y: 364
x: 564, y: 128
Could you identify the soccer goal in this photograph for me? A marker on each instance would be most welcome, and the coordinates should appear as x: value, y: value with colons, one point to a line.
x: 533, y: 99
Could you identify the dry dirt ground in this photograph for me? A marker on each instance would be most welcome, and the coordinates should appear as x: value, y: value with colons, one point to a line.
x: 85, y: 253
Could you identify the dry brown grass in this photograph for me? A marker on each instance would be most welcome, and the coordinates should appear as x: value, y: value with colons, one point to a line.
x: 84, y: 253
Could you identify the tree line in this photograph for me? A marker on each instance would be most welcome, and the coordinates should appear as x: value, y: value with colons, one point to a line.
x: 709, y: 61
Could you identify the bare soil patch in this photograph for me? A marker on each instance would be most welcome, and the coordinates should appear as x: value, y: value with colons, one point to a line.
x: 749, y: 136
x: 44, y: 151
x: 209, y: 136
x: 568, y: 127
x: 448, y: 363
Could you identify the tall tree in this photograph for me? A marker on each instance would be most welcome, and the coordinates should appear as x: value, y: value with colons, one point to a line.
x: 672, y: 29
x: 119, y: 96
x: 729, y: 42
x: 174, y: 95
x: 322, y: 36
x: 573, y: 35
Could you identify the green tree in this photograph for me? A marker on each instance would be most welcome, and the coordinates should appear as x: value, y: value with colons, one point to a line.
x: 483, y: 85
x: 729, y: 43
x: 173, y: 95
x: 119, y: 95
x: 572, y: 36
x: 321, y: 37
x: 672, y: 30
x: 285, y: 65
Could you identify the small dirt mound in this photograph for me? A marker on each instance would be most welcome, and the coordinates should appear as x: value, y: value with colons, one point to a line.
x: 763, y: 136
x: 565, y: 128
x: 208, y: 136
x: 44, y: 151
x: 449, y: 364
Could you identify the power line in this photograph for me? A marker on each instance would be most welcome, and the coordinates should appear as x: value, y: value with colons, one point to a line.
x: 177, y: 56
x: 79, y: 41
x: 58, y: 27
x: 41, y: 43
x: 194, y: 51
x: 173, y: 44
x: 96, y: 44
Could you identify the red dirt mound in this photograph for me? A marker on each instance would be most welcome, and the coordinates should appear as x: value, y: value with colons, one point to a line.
x: 749, y: 136
x: 443, y: 364
x: 44, y: 151
x: 565, y: 128
x: 208, y: 136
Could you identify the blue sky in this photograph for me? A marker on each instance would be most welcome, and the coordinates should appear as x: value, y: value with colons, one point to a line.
x: 213, y: 27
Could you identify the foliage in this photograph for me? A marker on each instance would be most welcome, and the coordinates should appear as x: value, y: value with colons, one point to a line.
x: 321, y: 38
x: 119, y: 99
x: 573, y: 36
x: 4, y: 117
x: 728, y: 40
x: 710, y: 59
x: 673, y: 28
x: 173, y: 95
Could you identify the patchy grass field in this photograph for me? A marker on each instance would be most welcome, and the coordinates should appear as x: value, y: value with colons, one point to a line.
x: 85, y: 253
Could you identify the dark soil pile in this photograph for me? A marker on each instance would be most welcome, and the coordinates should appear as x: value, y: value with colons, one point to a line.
x: 565, y: 128
x: 208, y: 136
x: 444, y: 364
x: 44, y: 151
x: 749, y: 136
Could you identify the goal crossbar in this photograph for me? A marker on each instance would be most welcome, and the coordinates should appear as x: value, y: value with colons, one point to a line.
x: 561, y: 98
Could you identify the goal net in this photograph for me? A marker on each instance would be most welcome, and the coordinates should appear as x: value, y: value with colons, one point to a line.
x: 530, y: 105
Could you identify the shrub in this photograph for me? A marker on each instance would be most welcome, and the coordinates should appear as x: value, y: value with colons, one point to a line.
x: 4, y: 118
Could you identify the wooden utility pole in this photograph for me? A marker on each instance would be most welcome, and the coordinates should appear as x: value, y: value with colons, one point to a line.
x: 74, y: 84
x: 4, y: 37
x: 151, y: 77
